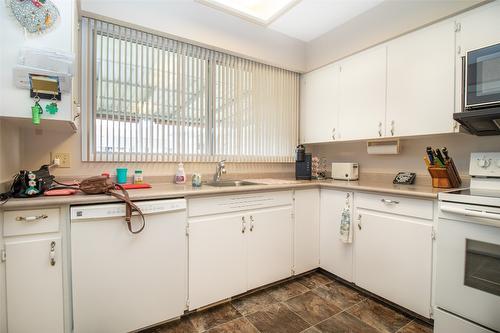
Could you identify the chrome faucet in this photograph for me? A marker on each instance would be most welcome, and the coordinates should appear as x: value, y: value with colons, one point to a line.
x: 220, y: 170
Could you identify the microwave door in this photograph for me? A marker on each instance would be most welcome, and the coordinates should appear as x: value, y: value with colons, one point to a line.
x: 483, y: 77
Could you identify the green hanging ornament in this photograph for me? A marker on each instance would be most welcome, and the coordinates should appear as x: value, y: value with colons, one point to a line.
x: 52, y: 107
x: 36, y: 112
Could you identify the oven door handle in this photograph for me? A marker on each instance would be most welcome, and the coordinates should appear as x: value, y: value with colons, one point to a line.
x: 471, y: 212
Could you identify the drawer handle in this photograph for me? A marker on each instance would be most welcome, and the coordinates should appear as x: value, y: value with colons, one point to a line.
x: 31, y: 218
x: 390, y: 202
x: 52, y: 253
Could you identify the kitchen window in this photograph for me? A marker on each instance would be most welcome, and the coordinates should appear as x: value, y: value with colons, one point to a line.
x: 148, y: 98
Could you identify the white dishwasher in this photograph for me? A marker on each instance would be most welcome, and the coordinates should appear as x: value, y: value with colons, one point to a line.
x: 121, y: 281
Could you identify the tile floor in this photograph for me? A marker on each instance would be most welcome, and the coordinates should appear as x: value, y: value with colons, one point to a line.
x: 313, y: 303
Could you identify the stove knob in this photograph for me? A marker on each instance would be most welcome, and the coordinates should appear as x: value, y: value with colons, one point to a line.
x: 483, y: 162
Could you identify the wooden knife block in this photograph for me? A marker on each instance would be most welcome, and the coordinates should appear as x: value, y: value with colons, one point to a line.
x: 445, y: 177
x: 440, y: 177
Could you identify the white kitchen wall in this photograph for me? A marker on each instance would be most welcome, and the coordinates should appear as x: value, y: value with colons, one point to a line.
x: 10, y: 151
x: 411, y: 157
x: 13, y: 38
x: 194, y: 21
x: 381, y: 23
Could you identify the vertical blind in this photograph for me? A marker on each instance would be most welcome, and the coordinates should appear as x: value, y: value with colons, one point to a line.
x: 148, y: 98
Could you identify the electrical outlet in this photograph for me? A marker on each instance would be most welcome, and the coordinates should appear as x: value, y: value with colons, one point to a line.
x: 64, y: 159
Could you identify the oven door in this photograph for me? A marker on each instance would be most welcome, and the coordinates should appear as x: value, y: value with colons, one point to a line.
x: 468, y: 262
x: 483, y: 77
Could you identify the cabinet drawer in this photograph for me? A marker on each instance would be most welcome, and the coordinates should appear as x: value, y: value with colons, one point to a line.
x: 28, y: 222
x: 396, y: 205
x: 238, y: 202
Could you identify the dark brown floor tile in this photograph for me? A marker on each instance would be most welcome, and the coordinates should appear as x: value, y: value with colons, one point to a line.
x: 240, y: 325
x: 277, y: 318
x: 254, y: 302
x: 416, y: 327
x: 345, y: 323
x: 287, y: 290
x: 311, y: 330
x: 379, y: 316
x: 178, y: 326
x: 312, y: 307
x: 314, y: 279
x: 341, y: 295
x: 215, y: 316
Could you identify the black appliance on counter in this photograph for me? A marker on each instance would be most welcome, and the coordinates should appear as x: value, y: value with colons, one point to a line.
x: 481, y: 91
x: 303, y: 165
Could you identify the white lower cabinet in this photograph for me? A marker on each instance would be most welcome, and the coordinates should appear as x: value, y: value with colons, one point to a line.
x: 393, y: 256
x: 231, y: 253
x: 217, y: 259
x: 269, y: 246
x: 306, y: 230
x: 34, y: 285
x: 335, y: 255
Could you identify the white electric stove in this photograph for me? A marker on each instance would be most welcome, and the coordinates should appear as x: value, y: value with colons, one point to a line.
x: 468, y: 252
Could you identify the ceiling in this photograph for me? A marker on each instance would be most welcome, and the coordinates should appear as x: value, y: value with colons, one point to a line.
x: 309, y: 19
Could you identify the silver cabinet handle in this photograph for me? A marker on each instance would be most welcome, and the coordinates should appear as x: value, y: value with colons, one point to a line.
x: 392, y: 128
x: 251, y: 223
x: 31, y: 218
x: 380, y: 129
x: 243, y: 225
x: 359, y: 221
x: 391, y: 202
x: 52, y: 253
x: 333, y: 133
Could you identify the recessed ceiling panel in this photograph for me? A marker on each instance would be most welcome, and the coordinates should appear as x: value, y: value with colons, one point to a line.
x: 259, y: 11
x: 309, y: 19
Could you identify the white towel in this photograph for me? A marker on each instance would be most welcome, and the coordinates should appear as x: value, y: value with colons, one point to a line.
x: 346, y: 225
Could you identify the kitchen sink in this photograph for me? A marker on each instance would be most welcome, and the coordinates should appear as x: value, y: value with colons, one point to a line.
x: 227, y: 183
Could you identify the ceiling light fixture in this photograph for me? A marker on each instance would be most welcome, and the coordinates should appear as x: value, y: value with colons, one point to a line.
x: 258, y: 11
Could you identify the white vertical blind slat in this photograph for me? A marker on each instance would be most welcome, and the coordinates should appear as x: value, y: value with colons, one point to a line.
x: 156, y: 99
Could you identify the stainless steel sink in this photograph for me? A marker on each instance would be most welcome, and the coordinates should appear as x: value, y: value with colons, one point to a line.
x: 226, y: 183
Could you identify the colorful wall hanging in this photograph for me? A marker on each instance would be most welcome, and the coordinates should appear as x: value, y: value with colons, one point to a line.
x: 35, y: 15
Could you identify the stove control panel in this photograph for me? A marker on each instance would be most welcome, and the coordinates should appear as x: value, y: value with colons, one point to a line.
x: 484, y: 164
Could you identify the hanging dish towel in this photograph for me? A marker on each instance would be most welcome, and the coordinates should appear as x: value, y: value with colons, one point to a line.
x: 346, y: 224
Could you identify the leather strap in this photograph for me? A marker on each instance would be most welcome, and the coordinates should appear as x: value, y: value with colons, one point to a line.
x: 130, y: 207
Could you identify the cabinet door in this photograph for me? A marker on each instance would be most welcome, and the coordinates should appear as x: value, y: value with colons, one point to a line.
x: 420, y: 81
x: 306, y: 230
x: 362, y: 95
x: 217, y: 259
x: 269, y: 245
x: 479, y: 27
x: 34, y: 286
x: 319, y: 105
x: 335, y: 255
x: 393, y: 259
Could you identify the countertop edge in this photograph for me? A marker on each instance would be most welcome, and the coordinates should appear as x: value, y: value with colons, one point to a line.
x: 183, y: 191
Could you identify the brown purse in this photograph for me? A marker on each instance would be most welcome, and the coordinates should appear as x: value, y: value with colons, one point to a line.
x: 104, y: 185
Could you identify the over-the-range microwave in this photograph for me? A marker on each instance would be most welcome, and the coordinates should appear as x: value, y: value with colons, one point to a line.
x: 481, y: 92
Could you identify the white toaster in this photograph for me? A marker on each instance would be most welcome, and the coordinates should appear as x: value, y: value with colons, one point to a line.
x: 345, y: 171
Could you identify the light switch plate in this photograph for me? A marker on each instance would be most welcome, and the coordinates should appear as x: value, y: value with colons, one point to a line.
x: 64, y: 159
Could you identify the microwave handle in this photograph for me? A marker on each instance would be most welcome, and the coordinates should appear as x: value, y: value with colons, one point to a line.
x: 470, y: 212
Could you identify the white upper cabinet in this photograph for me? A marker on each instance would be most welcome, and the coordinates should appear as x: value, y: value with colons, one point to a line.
x: 478, y: 28
x: 420, y: 81
x: 319, y: 106
x: 362, y: 94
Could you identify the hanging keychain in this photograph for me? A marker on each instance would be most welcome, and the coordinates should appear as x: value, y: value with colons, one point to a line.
x: 52, y: 107
x: 36, y: 111
x: 31, y: 190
